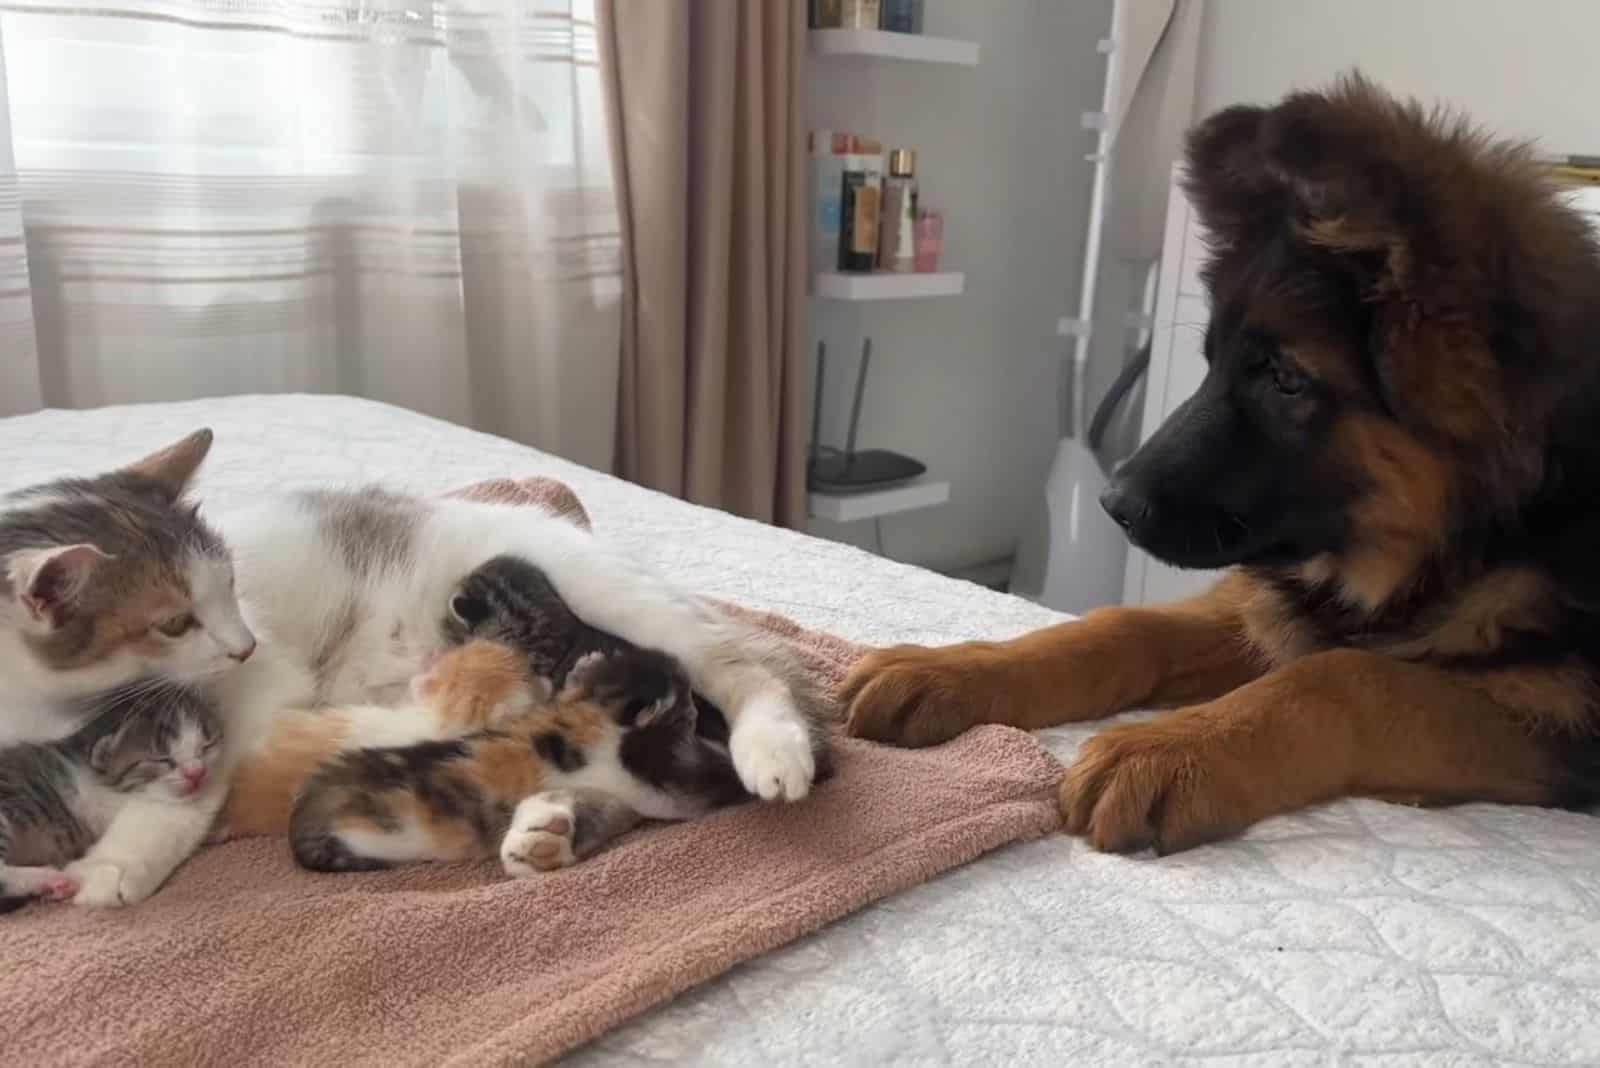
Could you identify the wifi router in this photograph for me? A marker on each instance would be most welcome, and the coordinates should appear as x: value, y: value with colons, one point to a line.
x: 831, y: 471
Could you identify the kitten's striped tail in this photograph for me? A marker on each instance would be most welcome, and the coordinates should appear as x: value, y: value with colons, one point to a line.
x: 315, y: 841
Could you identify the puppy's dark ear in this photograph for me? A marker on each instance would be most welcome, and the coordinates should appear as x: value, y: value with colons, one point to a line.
x: 1226, y: 176
x: 1343, y: 156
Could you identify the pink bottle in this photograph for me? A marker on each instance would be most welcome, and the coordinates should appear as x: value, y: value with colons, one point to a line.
x: 930, y: 240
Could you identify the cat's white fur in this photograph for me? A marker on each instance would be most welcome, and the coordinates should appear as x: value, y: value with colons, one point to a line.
x: 293, y: 584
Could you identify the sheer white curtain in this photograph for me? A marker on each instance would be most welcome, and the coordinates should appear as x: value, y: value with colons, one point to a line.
x: 398, y: 199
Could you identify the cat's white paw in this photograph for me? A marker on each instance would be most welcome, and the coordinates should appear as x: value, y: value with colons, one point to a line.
x: 108, y: 886
x: 540, y: 838
x: 99, y: 885
x: 772, y: 755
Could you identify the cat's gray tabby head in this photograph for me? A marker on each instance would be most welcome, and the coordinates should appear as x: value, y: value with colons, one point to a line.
x: 107, y: 579
x: 168, y: 739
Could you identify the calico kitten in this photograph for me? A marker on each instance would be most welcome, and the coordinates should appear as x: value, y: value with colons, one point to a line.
x: 541, y: 785
x: 267, y: 781
x: 151, y: 740
x: 104, y: 582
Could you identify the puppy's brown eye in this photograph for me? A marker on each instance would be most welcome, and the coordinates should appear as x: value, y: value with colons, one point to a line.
x: 178, y: 626
x: 1288, y: 380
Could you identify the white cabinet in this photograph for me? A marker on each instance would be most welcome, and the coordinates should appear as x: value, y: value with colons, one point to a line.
x: 1177, y: 364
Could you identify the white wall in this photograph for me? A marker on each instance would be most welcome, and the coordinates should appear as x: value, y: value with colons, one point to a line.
x: 972, y: 385
x: 1525, y: 68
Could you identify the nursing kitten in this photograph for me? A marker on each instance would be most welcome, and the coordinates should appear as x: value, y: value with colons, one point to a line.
x: 538, y: 784
x: 106, y: 581
x: 510, y: 600
x: 152, y: 741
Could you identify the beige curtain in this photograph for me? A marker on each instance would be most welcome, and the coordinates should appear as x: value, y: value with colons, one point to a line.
x: 408, y: 200
x: 707, y: 109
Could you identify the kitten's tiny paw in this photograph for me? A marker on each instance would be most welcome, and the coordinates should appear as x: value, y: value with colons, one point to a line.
x: 60, y: 887
x: 540, y: 838
x: 581, y: 671
x: 99, y: 885
x: 52, y: 884
x: 773, y: 757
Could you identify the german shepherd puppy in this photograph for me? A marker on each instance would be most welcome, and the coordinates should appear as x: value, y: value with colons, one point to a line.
x: 1396, y: 450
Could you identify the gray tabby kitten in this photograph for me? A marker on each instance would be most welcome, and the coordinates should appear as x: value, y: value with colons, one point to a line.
x: 153, y: 739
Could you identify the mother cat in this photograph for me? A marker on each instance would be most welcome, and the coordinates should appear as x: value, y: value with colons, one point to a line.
x: 340, y: 595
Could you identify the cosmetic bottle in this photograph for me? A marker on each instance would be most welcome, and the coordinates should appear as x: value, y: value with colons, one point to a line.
x: 896, y: 233
x: 930, y: 240
x: 861, y: 205
x: 901, y: 16
x: 860, y: 14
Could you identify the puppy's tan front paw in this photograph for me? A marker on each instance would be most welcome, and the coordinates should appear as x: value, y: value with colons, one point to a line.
x: 915, y: 696
x: 1148, y: 784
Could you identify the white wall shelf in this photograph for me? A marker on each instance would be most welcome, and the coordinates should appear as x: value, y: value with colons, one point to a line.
x: 850, y: 507
x: 843, y: 286
x: 913, y: 47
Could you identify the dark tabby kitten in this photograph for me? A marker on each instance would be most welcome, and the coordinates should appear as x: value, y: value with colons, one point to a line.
x: 152, y: 739
x: 509, y: 600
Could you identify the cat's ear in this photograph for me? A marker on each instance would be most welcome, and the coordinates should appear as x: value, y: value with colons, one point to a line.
x: 48, y: 582
x: 104, y: 750
x: 172, y: 468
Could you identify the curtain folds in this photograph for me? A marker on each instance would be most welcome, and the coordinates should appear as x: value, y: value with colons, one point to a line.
x: 398, y: 199
x: 707, y: 102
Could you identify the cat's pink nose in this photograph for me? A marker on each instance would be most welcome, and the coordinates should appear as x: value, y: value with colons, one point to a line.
x: 194, y: 776
x: 242, y: 653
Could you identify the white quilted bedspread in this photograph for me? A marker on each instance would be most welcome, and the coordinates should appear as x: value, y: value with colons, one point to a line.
x: 1358, y: 933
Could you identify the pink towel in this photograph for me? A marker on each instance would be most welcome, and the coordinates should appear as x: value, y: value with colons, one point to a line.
x: 244, y: 959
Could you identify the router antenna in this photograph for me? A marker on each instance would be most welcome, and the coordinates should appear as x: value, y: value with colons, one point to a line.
x: 816, y: 405
x: 855, y: 409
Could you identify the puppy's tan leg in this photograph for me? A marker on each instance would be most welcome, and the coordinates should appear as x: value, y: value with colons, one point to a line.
x: 1325, y: 726
x: 1111, y: 660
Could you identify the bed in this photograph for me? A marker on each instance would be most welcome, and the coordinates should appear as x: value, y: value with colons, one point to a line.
x: 1355, y: 933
